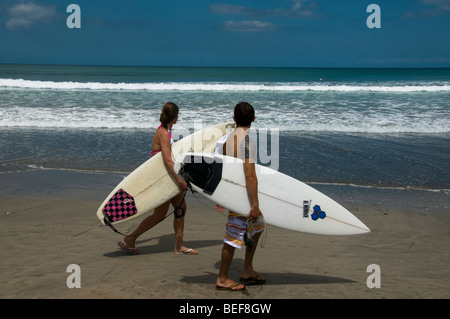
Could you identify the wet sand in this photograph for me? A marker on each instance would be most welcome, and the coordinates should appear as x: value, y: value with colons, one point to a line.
x: 48, y: 222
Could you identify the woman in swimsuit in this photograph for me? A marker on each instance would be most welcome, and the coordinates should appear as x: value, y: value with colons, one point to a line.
x: 161, y: 143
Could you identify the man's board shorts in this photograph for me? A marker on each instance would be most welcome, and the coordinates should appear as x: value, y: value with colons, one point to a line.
x: 237, y: 227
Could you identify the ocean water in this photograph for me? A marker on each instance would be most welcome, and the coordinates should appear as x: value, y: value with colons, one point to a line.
x: 380, y: 128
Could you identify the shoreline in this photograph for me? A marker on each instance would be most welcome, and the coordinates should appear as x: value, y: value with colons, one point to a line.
x: 48, y: 223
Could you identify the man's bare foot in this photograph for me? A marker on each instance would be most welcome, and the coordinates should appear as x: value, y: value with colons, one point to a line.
x: 252, y: 278
x: 229, y: 285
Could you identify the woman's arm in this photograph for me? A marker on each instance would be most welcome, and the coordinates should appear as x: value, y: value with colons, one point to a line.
x: 167, y: 159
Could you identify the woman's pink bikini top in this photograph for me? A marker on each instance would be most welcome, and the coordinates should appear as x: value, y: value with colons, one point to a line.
x: 171, y: 142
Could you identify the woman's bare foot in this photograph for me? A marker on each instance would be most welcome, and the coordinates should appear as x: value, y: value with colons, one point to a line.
x: 130, y: 241
x: 186, y: 251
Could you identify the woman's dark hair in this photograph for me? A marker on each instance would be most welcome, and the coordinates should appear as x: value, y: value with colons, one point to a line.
x: 244, y: 114
x: 168, y: 113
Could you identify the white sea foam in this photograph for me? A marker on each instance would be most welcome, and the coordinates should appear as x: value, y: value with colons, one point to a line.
x: 221, y: 86
x: 285, y: 120
x: 336, y: 108
x: 399, y: 188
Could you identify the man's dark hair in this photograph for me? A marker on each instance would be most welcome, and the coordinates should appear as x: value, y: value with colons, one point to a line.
x: 244, y: 114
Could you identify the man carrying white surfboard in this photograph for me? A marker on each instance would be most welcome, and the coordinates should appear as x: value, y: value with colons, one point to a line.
x: 241, y: 230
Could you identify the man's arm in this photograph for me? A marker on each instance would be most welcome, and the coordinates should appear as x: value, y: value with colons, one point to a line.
x: 251, y: 181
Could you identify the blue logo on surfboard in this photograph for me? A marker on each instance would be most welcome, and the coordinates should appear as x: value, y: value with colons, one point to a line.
x: 318, y: 213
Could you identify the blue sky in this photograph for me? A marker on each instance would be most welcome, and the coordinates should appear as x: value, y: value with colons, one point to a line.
x: 259, y: 33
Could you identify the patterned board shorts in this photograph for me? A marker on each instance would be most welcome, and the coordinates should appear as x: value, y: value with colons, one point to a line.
x: 236, y: 228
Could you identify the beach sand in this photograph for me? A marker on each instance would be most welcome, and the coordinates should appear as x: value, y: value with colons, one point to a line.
x: 48, y: 222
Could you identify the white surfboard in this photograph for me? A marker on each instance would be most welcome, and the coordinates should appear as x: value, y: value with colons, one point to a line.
x: 150, y: 185
x: 284, y: 201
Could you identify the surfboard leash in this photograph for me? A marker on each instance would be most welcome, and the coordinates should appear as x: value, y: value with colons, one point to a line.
x: 107, y: 222
x: 178, y: 208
